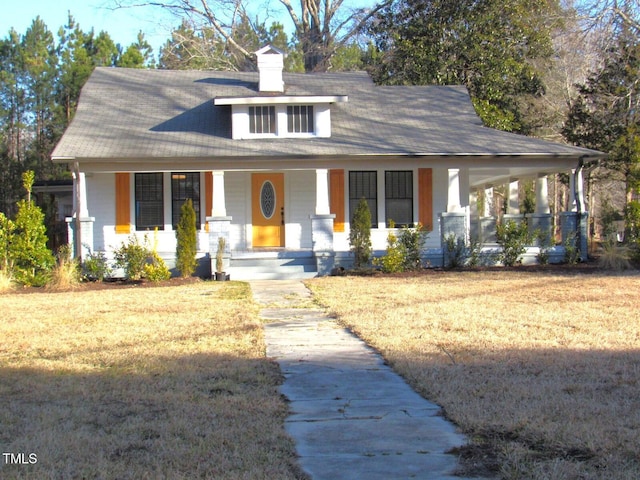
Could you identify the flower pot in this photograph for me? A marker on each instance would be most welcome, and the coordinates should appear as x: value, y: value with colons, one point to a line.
x: 221, y: 276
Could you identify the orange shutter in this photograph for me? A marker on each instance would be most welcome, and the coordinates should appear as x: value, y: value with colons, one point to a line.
x: 123, y: 203
x: 208, y: 197
x: 425, y: 198
x: 336, y: 198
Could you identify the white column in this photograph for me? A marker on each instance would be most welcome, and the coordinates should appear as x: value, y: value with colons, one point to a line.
x: 514, y: 204
x: 80, y: 208
x: 219, y: 206
x: 473, y: 203
x: 542, y: 195
x: 488, y: 202
x: 322, y: 192
x: 579, y: 188
x: 572, y: 192
x: 453, y: 197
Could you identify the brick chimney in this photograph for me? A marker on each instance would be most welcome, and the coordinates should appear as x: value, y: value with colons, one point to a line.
x: 270, y: 65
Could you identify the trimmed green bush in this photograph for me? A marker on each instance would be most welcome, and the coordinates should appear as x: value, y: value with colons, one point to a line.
x: 513, y: 238
x: 360, y: 235
x: 186, y: 236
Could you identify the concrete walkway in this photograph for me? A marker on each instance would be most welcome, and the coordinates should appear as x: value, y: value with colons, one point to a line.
x: 351, y: 416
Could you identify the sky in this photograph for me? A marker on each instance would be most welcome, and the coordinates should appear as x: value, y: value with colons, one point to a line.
x: 122, y: 25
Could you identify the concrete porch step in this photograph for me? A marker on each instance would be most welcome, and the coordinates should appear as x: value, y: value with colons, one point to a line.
x: 272, y: 266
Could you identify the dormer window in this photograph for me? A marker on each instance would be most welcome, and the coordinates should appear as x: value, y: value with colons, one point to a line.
x: 262, y: 119
x: 300, y: 119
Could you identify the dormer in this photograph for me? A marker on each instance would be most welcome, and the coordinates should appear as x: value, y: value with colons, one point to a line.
x: 270, y: 65
x: 274, y: 112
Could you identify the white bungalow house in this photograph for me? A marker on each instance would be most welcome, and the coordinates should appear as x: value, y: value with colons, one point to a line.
x: 275, y: 163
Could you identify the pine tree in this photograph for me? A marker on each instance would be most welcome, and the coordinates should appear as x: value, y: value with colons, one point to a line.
x: 186, y: 240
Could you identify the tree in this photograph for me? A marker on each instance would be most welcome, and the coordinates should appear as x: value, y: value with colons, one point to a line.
x: 360, y: 234
x: 606, y: 113
x: 495, y: 48
x: 321, y: 26
x: 137, y: 55
x: 32, y: 260
x: 186, y: 247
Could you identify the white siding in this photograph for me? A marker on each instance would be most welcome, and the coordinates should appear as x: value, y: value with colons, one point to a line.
x: 237, y: 189
x: 300, y: 204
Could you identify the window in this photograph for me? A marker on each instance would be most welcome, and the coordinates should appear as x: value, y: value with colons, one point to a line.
x: 149, y: 201
x: 399, y: 198
x: 184, y: 186
x: 262, y: 119
x: 364, y: 185
x: 300, y: 119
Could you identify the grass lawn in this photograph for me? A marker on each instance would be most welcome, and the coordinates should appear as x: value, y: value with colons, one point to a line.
x: 130, y: 382
x: 541, y: 370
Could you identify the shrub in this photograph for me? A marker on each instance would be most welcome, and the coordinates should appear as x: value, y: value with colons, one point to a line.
x: 455, y: 251
x: 360, y: 234
x: 32, y: 260
x: 411, y: 241
x: 393, y: 261
x: 66, y: 273
x: 95, y: 267
x: 6, y: 282
x: 403, y: 253
x: 632, y: 221
x: 155, y: 269
x: 513, y: 238
x: 132, y: 258
x: 571, y: 250
x: 614, y: 256
x: 222, y: 244
x: 544, y: 243
x: 475, y: 247
x: 186, y: 236
x: 7, y: 228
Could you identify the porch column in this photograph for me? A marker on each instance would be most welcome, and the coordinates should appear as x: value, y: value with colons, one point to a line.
x: 219, y: 208
x: 453, y: 196
x: 542, y: 221
x: 322, y: 192
x: 80, y: 226
x: 579, y: 190
x: 573, y: 207
x: 542, y: 195
x: 487, y: 228
x: 514, y: 204
x: 219, y: 223
x: 488, y: 202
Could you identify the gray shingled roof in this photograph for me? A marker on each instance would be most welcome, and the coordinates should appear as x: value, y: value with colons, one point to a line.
x: 130, y: 113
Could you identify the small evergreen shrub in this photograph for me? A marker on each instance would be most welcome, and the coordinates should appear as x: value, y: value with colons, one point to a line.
x: 28, y: 252
x: 544, y: 244
x: 411, y: 241
x: 155, y: 269
x: 632, y: 221
x: 571, y: 250
x: 360, y: 235
x: 393, y: 261
x: 7, y: 228
x: 475, y: 247
x: 513, y: 238
x: 455, y: 251
x: 95, y: 267
x: 186, y: 236
x: 403, y: 252
x: 132, y: 257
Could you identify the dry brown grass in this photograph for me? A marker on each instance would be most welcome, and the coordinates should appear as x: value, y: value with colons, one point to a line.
x: 541, y: 370
x: 140, y: 383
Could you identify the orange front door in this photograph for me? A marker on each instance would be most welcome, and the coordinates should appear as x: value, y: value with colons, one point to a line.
x: 267, y: 205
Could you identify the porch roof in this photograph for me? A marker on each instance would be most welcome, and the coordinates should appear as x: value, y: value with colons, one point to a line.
x: 160, y: 115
